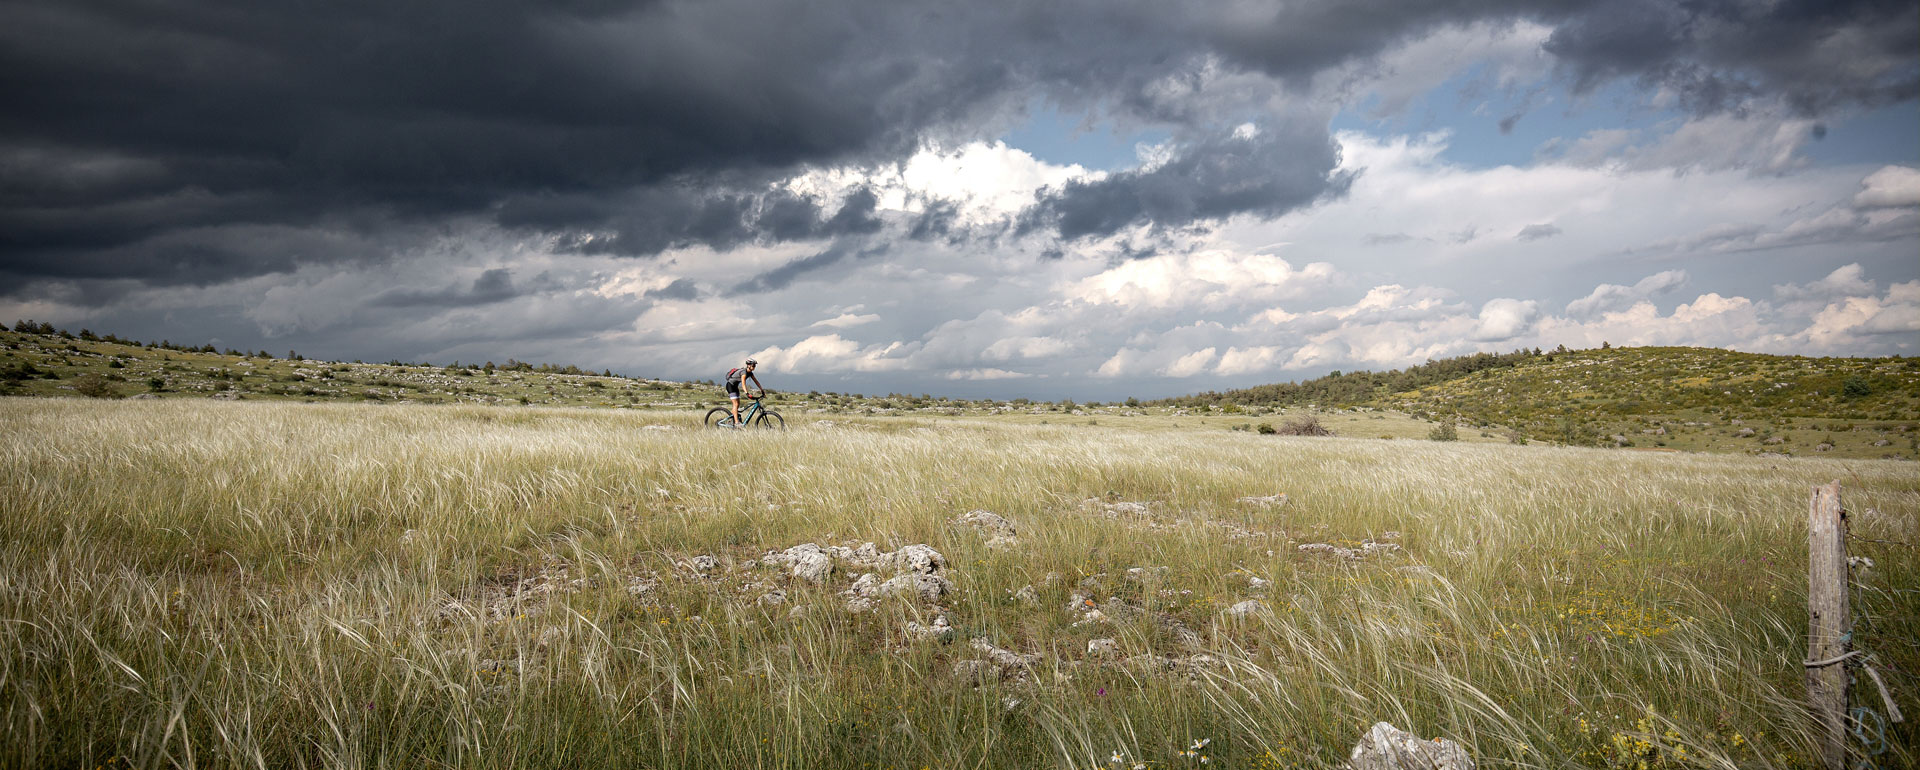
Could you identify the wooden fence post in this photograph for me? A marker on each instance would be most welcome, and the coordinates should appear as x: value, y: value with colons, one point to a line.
x: 1829, y: 625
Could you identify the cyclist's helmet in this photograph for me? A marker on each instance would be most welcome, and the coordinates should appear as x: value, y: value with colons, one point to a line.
x: 751, y: 362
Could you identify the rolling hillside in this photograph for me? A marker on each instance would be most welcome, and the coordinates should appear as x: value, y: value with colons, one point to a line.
x: 1678, y: 398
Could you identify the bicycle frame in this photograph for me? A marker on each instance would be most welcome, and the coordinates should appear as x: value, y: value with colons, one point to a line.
x: 747, y: 412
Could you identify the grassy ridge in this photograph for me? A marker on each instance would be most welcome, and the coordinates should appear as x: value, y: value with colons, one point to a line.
x: 1701, y: 399
x: 287, y: 585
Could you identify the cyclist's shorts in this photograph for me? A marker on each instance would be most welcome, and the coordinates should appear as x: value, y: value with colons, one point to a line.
x: 733, y: 389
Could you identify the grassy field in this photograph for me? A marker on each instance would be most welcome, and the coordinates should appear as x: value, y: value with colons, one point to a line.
x: 262, y: 584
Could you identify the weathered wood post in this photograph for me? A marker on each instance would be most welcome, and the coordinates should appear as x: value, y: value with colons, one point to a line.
x: 1829, y: 625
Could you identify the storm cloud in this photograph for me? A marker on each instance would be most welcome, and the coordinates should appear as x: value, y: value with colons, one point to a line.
x: 650, y: 124
x: 441, y: 176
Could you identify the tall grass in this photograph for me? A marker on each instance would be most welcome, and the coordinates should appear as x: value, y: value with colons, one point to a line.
x: 276, y: 585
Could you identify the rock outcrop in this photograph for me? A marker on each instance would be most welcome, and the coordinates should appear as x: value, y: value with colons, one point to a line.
x: 1386, y: 747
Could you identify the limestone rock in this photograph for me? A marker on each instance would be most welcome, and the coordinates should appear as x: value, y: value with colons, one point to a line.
x: 1103, y: 648
x: 704, y: 564
x: 1247, y: 609
x: 930, y: 588
x: 1386, y: 747
x: 940, y: 628
x: 990, y: 524
x: 916, y: 558
x: 805, y: 561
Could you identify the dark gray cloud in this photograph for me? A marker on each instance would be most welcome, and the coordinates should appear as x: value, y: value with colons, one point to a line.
x: 1814, y: 55
x: 783, y: 276
x: 492, y: 286
x: 680, y: 289
x: 169, y: 141
x: 1536, y: 232
x: 1270, y: 172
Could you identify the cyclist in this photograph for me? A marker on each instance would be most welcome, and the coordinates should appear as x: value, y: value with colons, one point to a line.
x: 736, y: 381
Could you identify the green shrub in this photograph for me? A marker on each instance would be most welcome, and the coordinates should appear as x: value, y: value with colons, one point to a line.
x: 93, y: 385
x: 1265, y: 429
x: 1444, y: 432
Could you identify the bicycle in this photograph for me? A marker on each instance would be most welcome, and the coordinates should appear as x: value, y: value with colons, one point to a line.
x: 754, y: 414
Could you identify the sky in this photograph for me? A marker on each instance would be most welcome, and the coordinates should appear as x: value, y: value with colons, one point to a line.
x: 1089, y: 199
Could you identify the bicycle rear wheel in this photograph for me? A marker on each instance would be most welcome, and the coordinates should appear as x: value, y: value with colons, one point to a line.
x: 770, y: 421
x: 719, y: 417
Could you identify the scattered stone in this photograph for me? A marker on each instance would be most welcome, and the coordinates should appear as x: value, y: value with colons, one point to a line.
x: 1881, y: 442
x: 998, y: 531
x: 1258, y: 583
x: 1386, y: 747
x: 1367, y: 548
x: 773, y: 598
x: 999, y: 665
x: 1823, y: 447
x: 1114, y: 510
x: 1247, y: 609
x: 1103, y: 648
x: 929, y: 588
x: 705, y: 564
x: 225, y: 395
x: 939, y: 629
x: 1004, y: 658
x: 1775, y: 440
x: 1190, y: 666
x: 916, y: 558
x: 1270, y: 501
x: 1743, y: 432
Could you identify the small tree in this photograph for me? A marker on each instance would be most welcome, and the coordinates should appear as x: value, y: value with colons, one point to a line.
x: 93, y: 385
x: 1444, y: 432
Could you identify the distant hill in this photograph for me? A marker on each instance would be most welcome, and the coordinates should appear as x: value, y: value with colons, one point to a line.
x: 1674, y: 397
x: 40, y: 360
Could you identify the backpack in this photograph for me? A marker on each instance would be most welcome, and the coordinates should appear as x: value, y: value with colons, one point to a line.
x: 733, y: 375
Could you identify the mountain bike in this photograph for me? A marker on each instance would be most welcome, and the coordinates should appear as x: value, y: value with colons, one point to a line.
x: 754, y: 414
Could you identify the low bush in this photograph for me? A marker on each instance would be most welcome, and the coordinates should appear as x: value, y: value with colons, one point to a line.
x: 1303, y: 426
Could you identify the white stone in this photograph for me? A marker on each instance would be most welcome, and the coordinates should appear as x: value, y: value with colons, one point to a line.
x: 927, y: 587
x: 1386, y: 747
x: 1247, y: 608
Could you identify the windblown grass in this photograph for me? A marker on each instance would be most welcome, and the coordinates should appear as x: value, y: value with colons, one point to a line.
x: 282, y: 585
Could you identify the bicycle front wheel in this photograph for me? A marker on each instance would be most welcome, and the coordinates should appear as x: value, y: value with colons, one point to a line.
x: 719, y: 417
x: 770, y: 421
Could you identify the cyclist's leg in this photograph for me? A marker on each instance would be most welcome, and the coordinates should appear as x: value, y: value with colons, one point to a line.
x: 735, y: 398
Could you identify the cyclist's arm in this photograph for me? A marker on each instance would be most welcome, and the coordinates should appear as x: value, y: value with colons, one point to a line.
x: 757, y: 385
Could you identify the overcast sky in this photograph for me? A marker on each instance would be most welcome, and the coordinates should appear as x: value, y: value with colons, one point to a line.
x: 1085, y: 198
